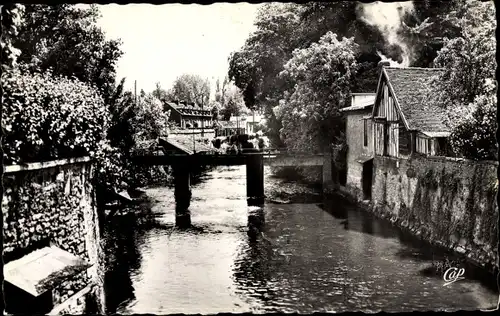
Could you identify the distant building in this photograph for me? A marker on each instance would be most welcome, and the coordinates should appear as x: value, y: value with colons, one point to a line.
x: 251, y: 122
x: 228, y: 128
x: 190, y: 115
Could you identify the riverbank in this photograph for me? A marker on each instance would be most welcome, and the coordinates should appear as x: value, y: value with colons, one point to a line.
x: 285, y: 185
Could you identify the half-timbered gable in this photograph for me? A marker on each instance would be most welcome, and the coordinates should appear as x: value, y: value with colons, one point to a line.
x: 405, y: 122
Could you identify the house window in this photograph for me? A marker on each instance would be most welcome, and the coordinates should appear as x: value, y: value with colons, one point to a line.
x: 422, y: 145
x: 365, y: 133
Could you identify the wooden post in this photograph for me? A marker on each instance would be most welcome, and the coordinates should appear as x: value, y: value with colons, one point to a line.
x: 182, y: 194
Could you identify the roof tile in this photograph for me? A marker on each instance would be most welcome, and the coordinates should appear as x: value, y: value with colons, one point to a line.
x: 412, y: 87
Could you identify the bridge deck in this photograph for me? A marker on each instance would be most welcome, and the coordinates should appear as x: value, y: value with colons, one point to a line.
x: 281, y: 160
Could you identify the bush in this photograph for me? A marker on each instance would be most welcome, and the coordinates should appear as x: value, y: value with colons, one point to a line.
x: 473, y: 134
x: 46, y: 117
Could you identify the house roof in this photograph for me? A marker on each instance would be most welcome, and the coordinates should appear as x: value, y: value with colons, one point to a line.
x: 185, y: 144
x: 361, y: 106
x: 411, y: 88
x: 363, y: 102
x: 185, y: 108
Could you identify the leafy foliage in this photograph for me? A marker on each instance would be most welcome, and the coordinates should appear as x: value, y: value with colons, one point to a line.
x: 467, y: 87
x: 284, y: 27
x: 230, y: 99
x: 50, y: 117
x: 473, y: 134
x: 191, y: 88
x: 150, y: 120
x: 136, y: 126
x: 215, y: 108
x: 11, y: 20
x: 162, y: 94
x: 66, y: 39
x: 62, y: 101
x: 310, y: 111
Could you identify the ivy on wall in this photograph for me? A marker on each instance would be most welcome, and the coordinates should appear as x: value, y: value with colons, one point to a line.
x: 453, y: 203
x: 39, y: 210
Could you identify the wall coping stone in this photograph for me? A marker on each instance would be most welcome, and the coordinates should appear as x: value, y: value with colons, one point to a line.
x: 441, y: 158
x: 45, y: 164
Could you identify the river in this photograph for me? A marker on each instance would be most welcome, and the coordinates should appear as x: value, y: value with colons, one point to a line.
x: 309, y: 258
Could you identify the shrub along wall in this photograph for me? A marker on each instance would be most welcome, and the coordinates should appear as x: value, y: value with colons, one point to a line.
x: 447, y: 202
x: 53, y: 203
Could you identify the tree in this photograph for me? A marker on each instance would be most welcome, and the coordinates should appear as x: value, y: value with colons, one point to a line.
x: 310, y: 111
x: 150, y: 120
x: 67, y: 40
x: 230, y: 99
x: 427, y: 27
x: 466, y: 88
x: 120, y: 133
x: 255, y: 68
x: 191, y: 88
x: 215, y: 108
x: 12, y: 17
x: 160, y: 93
x: 283, y: 27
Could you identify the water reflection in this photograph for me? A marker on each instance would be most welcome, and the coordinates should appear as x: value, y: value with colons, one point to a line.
x: 122, y: 257
x: 303, y: 258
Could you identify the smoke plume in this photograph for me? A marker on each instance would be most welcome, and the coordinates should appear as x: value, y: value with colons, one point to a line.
x: 387, y: 17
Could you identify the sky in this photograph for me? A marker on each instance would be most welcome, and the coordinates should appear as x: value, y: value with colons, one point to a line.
x: 161, y: 42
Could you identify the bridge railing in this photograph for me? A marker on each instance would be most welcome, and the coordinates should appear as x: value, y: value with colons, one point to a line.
x: 267, y: 152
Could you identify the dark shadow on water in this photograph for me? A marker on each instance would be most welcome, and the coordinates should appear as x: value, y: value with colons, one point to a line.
x: 122, y: 257
x: 357, y: 219
x: 200, y: 174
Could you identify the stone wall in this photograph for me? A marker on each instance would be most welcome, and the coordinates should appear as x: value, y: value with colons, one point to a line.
x: 451, y: 203
x: 53, y: 204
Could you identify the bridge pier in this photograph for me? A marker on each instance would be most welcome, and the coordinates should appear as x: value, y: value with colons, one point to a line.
x: 255, y: 179
x: 182, y: 194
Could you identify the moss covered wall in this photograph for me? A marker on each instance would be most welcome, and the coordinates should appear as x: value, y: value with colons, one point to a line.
x: 450, y: 203
x: 53, y: 205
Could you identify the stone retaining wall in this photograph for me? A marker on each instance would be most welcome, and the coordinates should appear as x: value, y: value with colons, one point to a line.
x: 448, y: 202
x: 53, y: 204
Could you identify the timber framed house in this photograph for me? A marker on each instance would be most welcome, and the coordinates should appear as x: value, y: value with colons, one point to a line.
x: 404, y: 121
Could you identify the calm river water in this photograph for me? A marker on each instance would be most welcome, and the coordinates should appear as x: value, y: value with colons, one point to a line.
x: 309, y: 258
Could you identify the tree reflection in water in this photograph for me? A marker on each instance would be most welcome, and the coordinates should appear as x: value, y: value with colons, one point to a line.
x: 122, y: 237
